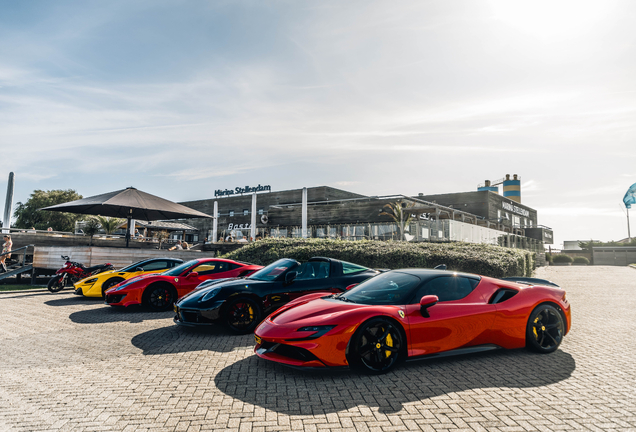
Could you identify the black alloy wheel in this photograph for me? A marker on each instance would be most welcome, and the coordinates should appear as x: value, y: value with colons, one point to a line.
x: 376, y: 346
x: 160, y: 298
x: 545, y: 329
x: 56, y: 283
x: 242, y: 315
x: 109, y: 284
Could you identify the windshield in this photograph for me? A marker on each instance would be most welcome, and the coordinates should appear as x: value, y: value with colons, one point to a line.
x: 274, y: 270
x: 180, y: 269
x: 133, y: 267
x: 391, y: 288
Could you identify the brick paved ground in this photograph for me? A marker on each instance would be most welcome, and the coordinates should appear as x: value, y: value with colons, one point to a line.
x: 72, y: 364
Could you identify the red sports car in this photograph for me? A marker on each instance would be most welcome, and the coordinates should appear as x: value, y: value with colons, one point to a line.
x: 411, y: 314
x: 159, y: 291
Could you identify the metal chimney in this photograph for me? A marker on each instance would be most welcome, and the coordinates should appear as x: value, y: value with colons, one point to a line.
x: 8, y: 205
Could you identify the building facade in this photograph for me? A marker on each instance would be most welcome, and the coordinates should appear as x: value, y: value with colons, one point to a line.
x: 477, y: 217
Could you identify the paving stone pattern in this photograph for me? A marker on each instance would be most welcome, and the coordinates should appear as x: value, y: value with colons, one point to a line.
x: 73, y: 364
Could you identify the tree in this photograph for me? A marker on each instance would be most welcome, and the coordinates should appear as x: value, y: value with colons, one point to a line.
x: 109, y: 224
x: 91, y: 227
x: 28, y: 214
x: 398, y: 211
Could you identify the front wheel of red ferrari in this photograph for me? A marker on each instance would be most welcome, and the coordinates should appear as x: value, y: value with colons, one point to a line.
x: 242, y: 315
x: 545, y: 329
x: 376, y: 347
x: 160, y: 297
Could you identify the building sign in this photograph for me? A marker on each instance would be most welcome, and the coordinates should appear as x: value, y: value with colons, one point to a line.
x: 234, y: 226
x: 242, y: 190
x: 515, y: 209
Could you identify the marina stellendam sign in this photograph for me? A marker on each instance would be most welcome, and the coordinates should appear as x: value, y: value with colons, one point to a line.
x: 515, y: 209
x: 242, y: 190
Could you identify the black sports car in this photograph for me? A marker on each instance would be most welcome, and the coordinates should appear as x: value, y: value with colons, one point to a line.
x: 241, y: 303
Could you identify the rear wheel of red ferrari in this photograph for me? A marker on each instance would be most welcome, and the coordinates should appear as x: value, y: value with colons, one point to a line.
x: 376, y: 346
x: 160, y: 297
x: 242, y: 315
x: 545, y: 329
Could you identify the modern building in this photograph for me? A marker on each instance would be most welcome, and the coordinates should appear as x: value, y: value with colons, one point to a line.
x: 481, y: 216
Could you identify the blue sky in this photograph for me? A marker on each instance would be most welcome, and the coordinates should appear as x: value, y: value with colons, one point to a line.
x: 179, y: 98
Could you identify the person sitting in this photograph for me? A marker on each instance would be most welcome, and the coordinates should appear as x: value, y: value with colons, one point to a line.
x: 177, y: 246
x: 185, y: 245
x: 6, y: 248
x: 243, y: 240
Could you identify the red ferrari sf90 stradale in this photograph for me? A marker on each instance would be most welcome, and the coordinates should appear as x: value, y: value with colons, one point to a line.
x: 412, y: 314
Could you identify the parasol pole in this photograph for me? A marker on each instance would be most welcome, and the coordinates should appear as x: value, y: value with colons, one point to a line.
x: 128, y: 225
x: 629, y: 235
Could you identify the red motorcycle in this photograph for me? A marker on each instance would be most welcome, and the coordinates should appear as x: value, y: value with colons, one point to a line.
x: 73, y: 272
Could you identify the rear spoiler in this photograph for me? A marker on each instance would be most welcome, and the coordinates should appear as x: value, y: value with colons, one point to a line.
x: 530, y: 281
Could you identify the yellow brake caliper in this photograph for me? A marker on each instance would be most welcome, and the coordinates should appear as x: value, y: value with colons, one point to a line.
x: 534, y: 328
x: 389, y: 342
x: 251, y: 310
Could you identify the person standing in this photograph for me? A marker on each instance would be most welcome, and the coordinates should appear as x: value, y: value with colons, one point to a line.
x: 6, y: 247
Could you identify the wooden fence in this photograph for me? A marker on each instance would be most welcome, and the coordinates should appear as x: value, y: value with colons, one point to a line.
x: 50, y: 257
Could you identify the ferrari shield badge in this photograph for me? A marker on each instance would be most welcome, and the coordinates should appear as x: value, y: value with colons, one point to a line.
x: 401, y: 314
x: 176, y: 279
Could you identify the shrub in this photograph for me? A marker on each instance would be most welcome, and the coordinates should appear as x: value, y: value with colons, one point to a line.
x: 482, y: 259
x: 548, y: 257
x: 562, y: 258
x: 581, y: 260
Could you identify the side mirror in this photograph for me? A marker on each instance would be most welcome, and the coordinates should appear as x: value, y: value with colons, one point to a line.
x: 244, y: 273
x: 139, y: 269
x: 289, y: 277
x: 426, y: 302
x: 193, y: 275
x: 350, y: 286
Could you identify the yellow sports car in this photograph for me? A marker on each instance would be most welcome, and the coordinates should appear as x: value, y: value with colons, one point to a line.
x: 96, y: 286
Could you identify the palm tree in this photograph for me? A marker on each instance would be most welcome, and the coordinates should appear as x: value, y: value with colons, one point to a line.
x: 161, y: 236
x: 398, y: 212
x: 109, y: 224
x: 91, y: 227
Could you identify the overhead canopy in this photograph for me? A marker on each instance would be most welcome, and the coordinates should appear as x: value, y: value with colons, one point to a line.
x: 161, y: 225
x: 129, y: 203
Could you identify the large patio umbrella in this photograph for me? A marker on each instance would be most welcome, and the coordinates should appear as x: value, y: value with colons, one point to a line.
x: 129, y: 203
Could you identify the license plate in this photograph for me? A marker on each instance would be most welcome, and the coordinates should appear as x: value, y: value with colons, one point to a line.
x: 258, y: 340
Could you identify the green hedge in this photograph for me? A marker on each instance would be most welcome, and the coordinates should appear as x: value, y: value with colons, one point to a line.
x: 562, y: 258
x: 482, y: 259
x: 581, y: 260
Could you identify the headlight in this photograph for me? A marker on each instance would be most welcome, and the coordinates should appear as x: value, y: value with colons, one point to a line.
x: 90, y: 281
x: 318, y: 330
x: 120, y: 287
x: 210, y: 294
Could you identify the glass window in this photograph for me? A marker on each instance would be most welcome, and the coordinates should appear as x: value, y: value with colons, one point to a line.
x: 156, y: 265
x: 176, y: 271
x: 133, y: 267
x: 211, y: 267
x: 274, y: 270
x: 393, y: 288
x: 349, y: 268
x: 447, y: 288
x: 231, y: 213
x: 313, y: 270
x: 246, y: 212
